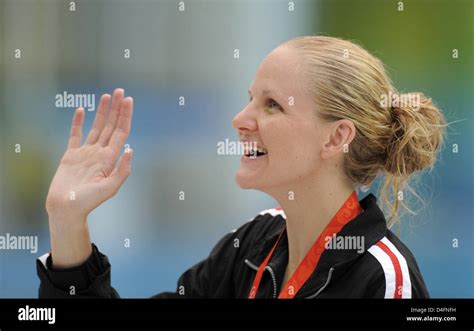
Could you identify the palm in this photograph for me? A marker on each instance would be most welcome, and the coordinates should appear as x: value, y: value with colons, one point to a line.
x: 87, y: 174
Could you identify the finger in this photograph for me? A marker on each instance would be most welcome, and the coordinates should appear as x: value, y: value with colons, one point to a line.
x: 99, y: 120
x: 75, y: 135
x: 112, y: 118
x: 122, y: 171
x: 124, y: 123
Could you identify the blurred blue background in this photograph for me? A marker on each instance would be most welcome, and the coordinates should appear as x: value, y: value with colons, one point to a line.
x: 191, y: 54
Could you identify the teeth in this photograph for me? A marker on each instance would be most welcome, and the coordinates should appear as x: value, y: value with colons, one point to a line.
x: 251, y: 149
x: 253, y: 152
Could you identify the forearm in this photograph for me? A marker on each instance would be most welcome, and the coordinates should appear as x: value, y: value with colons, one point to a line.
x: 70, y: 242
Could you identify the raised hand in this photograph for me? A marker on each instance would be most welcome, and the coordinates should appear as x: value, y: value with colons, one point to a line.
x: 89, y: 174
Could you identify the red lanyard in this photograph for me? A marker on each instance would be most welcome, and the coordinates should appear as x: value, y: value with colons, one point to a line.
x: 349, y: 210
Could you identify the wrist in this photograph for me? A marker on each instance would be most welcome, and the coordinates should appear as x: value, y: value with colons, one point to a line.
x: 66, y: 218
x: 70, y: 243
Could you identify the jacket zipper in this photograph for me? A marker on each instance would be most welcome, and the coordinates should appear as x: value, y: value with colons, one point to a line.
x: 270, y: 270
x: 251, y: 265
x: 274, y: 281
x: 322, y: 287
x: 318, y: 292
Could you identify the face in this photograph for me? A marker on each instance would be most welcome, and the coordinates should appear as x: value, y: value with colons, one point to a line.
x: 280, y: 118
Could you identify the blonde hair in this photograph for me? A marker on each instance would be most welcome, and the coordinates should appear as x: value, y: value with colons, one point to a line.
x: 394, y: 140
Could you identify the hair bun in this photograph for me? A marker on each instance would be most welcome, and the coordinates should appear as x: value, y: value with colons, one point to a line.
x: 417, y: 133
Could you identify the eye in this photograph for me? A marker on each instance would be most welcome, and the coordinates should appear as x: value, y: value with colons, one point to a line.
x: 272, y: 104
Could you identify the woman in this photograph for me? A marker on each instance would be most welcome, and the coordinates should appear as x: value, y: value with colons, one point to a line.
x: 325, y: 119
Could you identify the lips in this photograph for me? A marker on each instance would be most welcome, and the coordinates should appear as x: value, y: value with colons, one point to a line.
x: 253, y: 150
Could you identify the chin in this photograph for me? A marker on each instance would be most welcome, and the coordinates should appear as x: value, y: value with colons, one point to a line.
x: 244, y: 182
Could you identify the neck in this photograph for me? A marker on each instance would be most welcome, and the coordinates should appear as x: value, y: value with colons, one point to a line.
x: 307, y: 215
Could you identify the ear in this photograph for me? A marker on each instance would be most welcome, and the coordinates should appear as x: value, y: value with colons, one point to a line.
x: 339, y: 135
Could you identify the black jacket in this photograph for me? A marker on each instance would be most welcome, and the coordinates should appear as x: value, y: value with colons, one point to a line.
x: 381, y: 269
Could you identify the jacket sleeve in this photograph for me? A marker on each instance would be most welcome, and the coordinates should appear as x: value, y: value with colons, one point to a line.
x: 211, y: 277
x: 89, y: 280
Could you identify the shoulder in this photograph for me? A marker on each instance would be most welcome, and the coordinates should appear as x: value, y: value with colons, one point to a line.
x: 255, y: 231
x: 262, y: 225
x: 395, y: 272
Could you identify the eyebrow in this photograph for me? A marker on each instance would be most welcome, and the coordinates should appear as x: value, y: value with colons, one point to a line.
x: 264, y: 92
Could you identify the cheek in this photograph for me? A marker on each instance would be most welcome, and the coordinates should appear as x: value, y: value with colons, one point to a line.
x: 294, y: 146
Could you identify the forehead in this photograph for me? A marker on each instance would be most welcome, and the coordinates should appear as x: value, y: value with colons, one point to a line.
x: 280, y: 73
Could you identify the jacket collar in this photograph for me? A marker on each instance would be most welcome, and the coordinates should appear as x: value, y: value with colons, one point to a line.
x: 368, y: 227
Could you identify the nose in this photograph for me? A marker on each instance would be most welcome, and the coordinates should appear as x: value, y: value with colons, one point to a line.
x: 244, y: 121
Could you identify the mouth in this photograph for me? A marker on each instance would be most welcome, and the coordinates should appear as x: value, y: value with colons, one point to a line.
x: 253, y: 153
